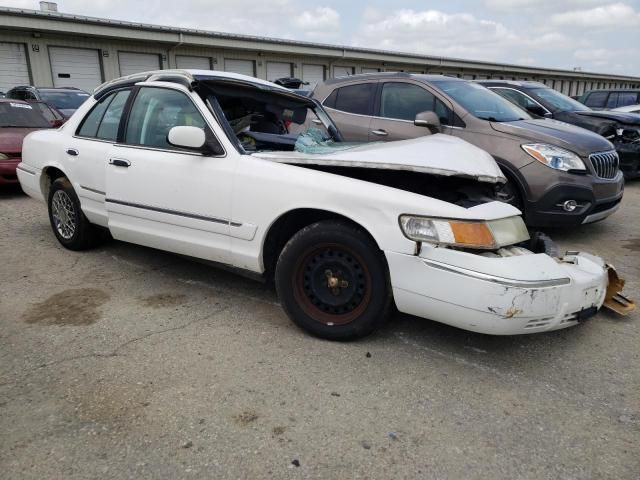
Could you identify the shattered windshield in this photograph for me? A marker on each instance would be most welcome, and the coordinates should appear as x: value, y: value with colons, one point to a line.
x: 268, y: 120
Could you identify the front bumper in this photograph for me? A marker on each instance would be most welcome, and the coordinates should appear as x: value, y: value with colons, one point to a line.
x: 597, y: 198
x: 8, y: 171
x: 499, y: 296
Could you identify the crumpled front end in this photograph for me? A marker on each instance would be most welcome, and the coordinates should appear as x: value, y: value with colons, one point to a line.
x: 508, y: 292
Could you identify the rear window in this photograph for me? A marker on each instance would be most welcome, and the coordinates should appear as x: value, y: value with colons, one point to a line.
x: 596, y: 99
x: 21, y: 115
x: 356, y: 99
x: 64, y: 100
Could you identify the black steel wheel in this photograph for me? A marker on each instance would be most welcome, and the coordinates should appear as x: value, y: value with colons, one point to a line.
x: 333, y: 281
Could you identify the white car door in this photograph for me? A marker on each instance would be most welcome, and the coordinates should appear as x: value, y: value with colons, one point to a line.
x: 88, y: 153
x: 162, y: 196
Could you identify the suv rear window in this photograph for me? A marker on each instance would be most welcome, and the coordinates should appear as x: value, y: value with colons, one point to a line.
x: 356, y: 99
x: 596, y: 99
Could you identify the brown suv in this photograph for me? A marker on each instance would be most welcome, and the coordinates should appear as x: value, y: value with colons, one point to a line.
x: 558, y: 174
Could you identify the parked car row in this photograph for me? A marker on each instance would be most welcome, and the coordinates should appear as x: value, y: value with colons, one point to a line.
x: 557, y: 174
x: 28, y: 108
x: 622, y: 129
x: 242, y: 172
x: 17, y: 120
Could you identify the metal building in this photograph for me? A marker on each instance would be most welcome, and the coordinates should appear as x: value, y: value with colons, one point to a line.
x: 48, y: 48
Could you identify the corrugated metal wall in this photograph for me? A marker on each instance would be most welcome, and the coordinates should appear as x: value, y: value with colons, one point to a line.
x: 40, y: 68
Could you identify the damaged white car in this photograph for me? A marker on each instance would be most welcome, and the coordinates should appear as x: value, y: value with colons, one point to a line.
x: 241, y: 172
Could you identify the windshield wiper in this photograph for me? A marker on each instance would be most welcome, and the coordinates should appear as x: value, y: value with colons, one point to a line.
x: 491, y: 119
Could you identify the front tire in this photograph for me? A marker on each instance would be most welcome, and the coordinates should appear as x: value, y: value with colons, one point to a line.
x: 70, y: 226
x: 333, y: 281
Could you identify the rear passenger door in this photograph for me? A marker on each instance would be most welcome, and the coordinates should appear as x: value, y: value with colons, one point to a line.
x: 87, y: 152
x: 399, y: 104
x: 351, y: 108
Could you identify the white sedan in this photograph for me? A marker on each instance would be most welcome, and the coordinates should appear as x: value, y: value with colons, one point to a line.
x: 241, y: 172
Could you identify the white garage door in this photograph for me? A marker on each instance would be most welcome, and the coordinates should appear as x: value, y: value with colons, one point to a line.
x: 313, y: 75
x: 339, y: 71
x: 196, y: 63
x: 137, y: 62
x: 13, y: 66
x: 277, y: 70
x: 75, y: 67
x: 370, y: 70
x: 245, y: 67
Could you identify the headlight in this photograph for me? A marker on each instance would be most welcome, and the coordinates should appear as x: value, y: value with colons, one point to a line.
x: 3, y: 157
x: 554, y: 157
x: 487, y: 235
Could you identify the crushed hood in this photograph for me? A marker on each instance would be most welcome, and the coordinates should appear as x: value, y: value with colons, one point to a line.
x: 434, y: 154
x: 570, y: 137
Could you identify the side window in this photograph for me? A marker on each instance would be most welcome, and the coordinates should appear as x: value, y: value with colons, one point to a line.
x: 444, y: 113
x: 103, y: 120
x: 108, y: 129
x: 330, y: 101
x: 515, y: 96
x: 596, y: 99
x: 612, y: 101
x: 627, y: 98
x: 356, y: 98
x: 90, y: 124
x: 155, y: 111
x: 404, y: 100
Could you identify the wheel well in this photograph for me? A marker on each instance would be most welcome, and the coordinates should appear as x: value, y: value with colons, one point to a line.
x: 49, y: 175
x: 287, y: 226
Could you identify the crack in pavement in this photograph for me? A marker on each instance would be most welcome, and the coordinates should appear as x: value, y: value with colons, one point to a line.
x: 114, y: 352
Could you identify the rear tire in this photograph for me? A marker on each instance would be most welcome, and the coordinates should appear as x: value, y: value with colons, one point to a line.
x: 333, y: 282
x: 70, y: 226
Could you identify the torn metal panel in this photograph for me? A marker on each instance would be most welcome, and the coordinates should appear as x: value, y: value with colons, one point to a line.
x: 434, y: 154
x: 614, y: 300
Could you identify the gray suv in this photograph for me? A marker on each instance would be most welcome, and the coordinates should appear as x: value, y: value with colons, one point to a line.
x: 558, y: 174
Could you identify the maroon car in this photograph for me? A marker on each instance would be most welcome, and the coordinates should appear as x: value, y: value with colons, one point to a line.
x: 17, y: 119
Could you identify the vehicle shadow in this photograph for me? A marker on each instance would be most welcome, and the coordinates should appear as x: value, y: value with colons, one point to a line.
x: 11, y: 191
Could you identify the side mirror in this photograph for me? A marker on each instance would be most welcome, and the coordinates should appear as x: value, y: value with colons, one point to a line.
x: 187, y: 137
x: 536, y: 110
x: 428, y: 119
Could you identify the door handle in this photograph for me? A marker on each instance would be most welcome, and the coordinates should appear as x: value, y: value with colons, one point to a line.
x: 380, y: 132
x: 119, y: 162
x: 73, y: 152
x: 317, y: 121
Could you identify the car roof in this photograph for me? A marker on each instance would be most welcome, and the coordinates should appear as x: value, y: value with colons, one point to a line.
x: 185, y: 77
x: 514, y: 83
x: 391, y: 75
x: 614, y: 90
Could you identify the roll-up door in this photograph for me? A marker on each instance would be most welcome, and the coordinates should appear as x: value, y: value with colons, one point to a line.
x: 313, y: 75
x: 75, y: 67
x: 195, y: 63
x: 340, y: 71
x: 137, y: 62
x: 277, y: 70
x: 245, y: 67
x: 370, y: 70
x: 13, y: 66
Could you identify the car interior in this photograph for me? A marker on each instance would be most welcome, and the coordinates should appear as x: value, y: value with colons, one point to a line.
x: 262, y: 120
